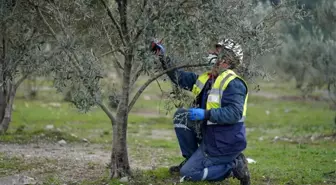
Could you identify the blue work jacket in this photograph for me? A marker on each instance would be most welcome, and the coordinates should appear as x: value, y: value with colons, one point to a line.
x: 228, y: 136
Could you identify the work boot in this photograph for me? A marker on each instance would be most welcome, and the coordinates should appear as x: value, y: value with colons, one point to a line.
x: 176, y: 169
x: 240, y: 170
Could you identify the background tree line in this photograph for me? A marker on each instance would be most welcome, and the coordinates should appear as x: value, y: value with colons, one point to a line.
x: 308, y: 48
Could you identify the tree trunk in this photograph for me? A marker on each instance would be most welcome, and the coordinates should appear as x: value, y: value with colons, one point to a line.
x: 119, y: 157
x: 3, y: 104
x: 7, y: 92
x: 300, y: 78
x: 7, y: 108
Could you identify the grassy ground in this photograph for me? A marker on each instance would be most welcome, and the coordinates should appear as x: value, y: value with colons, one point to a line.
x: 293, y: 142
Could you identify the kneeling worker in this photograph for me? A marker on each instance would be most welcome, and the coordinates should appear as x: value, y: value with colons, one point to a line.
x: 221, y: 98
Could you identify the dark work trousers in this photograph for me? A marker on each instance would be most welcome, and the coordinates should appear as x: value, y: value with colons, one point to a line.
x: 199, y: 166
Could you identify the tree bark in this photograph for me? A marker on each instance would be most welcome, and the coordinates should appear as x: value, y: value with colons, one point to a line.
x: 119, y: 157
x: 3, y: 104
x: 7, y: 113
x: 3, y: 90
x: 299, y: 78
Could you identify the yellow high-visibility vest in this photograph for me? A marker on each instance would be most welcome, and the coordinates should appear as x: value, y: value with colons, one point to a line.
x: 215, y: 95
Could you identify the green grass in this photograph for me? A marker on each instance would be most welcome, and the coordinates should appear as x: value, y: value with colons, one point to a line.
x: 282, y: 163
x: 293, y: 158
x: 291, y: 118
x: 10, y: 165
x: 287, y: 118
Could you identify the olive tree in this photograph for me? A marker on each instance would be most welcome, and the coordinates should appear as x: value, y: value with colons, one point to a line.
x: 310, y: 57
x: 124, y: 29
x: 320, y: 56
x: 22, y: 53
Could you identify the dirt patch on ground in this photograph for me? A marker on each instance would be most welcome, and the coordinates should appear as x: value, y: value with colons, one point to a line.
x: 76, y: 152
x: 70, y: 163
x: 310, y: 139
x: 77, y: 162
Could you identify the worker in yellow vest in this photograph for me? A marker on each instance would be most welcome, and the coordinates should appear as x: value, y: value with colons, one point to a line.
x: 220, y: 108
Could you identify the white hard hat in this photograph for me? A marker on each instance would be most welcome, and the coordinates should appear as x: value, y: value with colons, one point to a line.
x: 233, y: 46
x: 227, y: 44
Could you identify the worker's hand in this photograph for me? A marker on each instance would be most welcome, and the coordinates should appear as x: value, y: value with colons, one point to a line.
x: 196, y: 114
x: 157, y: 47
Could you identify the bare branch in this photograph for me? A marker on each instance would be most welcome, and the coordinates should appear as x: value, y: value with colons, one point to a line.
x: 137, y: 35
x: 4, y: 47
x: 159, y: 85
x: 3, y: 50
x: 72, y: 54
x: 122, y: 8
x: 137, y: 20
x: 25, y: 76
x: 136, y: 75
x: 107, y: 112
x: 45, y: 22
x: 141, y: 30
x: 109, y: 13
x: 18, y: 83
x: 149, y: 81
x: 141, y: 12
x: 117, y: 64
x: 12, y: 12
x: 110, y: 52
x: 60, y: 21
x: 3, y: 54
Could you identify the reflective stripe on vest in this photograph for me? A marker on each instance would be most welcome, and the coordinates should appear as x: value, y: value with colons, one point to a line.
x: 199, y: 85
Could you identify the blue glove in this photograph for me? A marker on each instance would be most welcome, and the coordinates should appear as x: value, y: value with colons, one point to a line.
x: 196, y: 114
